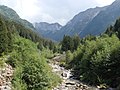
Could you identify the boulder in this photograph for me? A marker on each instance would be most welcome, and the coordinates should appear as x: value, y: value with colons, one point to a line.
x: 64, y: 74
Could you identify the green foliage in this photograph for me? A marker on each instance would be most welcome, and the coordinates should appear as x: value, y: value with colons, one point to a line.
x: 5, y: 37
x: 1, y: 63
x: 69, y: 57
x: 33, y: 36
x: 109, y: 31
x: 31, y: 69
x: 70, y: 43
x: 47, y: 53
x: 17, y: 82
x: 76, y: 40
x: 30, y: 64
x: 97, y: 61
x: 115, y: 29
x: 67, y: 43
x: 10, y: 26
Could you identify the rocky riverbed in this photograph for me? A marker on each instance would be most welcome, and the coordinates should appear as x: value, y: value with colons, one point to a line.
x: 68, y: 81
x: 6, y: 74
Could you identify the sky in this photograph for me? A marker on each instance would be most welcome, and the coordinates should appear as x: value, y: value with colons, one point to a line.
x: 52, y: 11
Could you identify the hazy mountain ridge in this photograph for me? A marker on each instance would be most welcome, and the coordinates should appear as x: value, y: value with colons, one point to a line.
x: 11, y: 14
x: 74, y: 26
x: 82, y: 19
x: 79, y: 22
x: 47, y: 30
x: 44, y: 26
x: 105, y: 18
x: 92, y: 21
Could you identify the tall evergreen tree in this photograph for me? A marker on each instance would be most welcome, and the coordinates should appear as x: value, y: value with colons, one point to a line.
x: 76, y: 40
x: 67, y: 43
x: 3, y: 37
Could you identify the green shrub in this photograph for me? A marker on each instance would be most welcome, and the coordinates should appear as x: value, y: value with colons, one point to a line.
x: 2, y: 62
x: 97, y: 61
x: 31, y: 69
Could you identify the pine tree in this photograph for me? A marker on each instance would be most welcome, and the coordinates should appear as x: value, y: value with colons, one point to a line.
x: 76, y: 40
x: 67, y: 44
x: 3, y: 37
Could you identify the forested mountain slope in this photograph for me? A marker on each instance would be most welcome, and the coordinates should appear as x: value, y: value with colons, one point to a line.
x: 27, y: 53
x: 11, y: 14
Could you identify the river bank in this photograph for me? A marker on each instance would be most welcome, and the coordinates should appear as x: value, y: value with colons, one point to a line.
x: 68, y: 80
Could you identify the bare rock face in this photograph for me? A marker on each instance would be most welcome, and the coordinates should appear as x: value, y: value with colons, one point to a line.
x: 47, y: 30
x: 6, y: 74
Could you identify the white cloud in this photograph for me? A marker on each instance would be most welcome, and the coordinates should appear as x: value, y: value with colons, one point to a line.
x: 51, y: 10
x: 104, y: 2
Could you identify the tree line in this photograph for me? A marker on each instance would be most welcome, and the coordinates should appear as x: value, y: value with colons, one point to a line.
x: 97, y: 58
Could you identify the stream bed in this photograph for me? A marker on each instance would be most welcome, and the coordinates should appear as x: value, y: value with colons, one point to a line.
x: 68, y: 81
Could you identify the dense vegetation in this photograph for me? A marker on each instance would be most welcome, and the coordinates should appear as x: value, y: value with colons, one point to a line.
x: 27, y: 54
x: 27, y: 33
x: 31, y: 69
x: 96, y: 61
x: 24, y: 28
x: 70, y: 43
x: 6, y: 39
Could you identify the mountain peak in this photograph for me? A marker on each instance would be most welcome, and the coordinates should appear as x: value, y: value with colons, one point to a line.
x: 91, y: 21
x: 46, y: 23
x: 116, y: 2
x: 47, y: 29
x: 105, y: 18
x: 8, y: 12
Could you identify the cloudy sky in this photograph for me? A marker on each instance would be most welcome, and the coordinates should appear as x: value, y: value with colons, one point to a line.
x: 51, y: 10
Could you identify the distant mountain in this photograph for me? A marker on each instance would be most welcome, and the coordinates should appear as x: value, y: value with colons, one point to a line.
x: 103, y: 20
x: 47, y: 30
x: 79, y: 22
x: 74, y: 26
x: 11, y: 23
x: 93, y: 21
x: 11, y: 14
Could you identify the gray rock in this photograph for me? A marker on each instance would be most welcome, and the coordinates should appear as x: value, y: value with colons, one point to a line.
x: 64, y: 74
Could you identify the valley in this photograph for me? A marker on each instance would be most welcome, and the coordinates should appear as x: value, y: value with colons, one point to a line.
x: 93, y: 21
x: 83, y: 54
